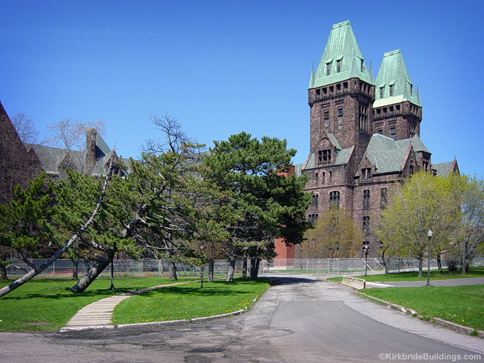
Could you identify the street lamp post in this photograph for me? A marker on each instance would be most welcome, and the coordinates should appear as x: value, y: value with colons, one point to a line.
x: 366, y: 248
x: 429, y: 234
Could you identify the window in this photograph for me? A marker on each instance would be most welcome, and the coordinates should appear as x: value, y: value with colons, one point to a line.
x: 323, y: 180
x: 363, y: 118
x: 393, y: 133
x: 316, y: 177
x: 366, y: 173
x: 338, y: 65
x: 334, y: 199
x: 366, y: 199
x: 328, y: 68
x: 384, y: 198
x: 315, y: 200
x: 362, y: 65
x: 312, y: 218
x: 380, y: 132
x: 390, y: 90
x: 381, y: 92
x: 326, y: 115
x: 366, y: 225
x: 340, y: 112
x: 324, y: 157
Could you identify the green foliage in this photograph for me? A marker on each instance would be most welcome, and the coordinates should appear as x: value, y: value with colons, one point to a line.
x: 262, y: 202
x: 423, y: 203
x: 452, y: 207
x: 26, y: 221
x: 334, y: 236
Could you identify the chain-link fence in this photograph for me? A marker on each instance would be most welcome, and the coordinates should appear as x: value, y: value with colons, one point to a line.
x: 125, y: 267
x: 341, y: 266
x: 151, y: 267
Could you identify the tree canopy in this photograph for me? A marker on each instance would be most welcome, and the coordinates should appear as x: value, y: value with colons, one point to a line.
x: 262, y: 201
x: 452, y: 207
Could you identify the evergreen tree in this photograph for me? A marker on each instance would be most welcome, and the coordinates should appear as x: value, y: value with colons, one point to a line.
x: 262, y: 202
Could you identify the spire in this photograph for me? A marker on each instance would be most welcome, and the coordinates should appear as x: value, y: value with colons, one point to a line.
x: 311, y: 80
x: 418, y: 96
x: 342, y: 58
x: 393, y: 83
x: 371, y: 72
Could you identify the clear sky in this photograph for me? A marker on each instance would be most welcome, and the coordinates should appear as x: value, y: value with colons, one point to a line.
x: 222, y: 67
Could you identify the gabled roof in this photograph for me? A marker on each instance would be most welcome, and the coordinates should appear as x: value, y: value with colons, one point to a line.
x: 388, y: 155
x: 341, y: 48
x: 53, y: 158
x: 393, y: 73
x: 444, y: 169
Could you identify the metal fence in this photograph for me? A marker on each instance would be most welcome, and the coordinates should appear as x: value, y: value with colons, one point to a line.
x: 340, y: 266
x: 151, y: 267
x: 125, y: 267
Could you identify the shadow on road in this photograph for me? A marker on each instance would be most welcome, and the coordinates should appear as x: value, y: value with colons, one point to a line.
x: 288, y: 280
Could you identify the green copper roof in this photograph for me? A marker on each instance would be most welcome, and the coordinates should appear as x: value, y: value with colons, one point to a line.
x: 393, y: 80
x: 341, y: 60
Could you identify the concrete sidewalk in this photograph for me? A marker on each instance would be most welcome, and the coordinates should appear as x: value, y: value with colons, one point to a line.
x: 99, y: 313
x: 448, y: 282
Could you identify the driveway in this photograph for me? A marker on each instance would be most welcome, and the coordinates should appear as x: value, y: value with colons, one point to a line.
x: 299, y: 319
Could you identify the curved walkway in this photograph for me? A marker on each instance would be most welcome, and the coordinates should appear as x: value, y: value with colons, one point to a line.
x: 99, y: 313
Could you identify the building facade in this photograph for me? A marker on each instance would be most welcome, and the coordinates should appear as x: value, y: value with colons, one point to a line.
x: 364, y: 133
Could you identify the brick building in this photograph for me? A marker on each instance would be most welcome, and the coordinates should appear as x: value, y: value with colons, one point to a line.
x: 18, y: 164
x: 364, y: 133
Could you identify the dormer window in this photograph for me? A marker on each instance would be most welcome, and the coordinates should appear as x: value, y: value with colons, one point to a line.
x: 366, y: 173
x: 328, y: 68
x: 381, y: 92
x: 362, y: 65
x: 390, y: 90
x: 338, y: 65
x: 324, y: 156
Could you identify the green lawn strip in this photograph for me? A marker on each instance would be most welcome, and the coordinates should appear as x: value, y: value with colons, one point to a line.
x: 48, y: 304
x: 463, y: 305
x: 413, y: 276
x: 189, y: 301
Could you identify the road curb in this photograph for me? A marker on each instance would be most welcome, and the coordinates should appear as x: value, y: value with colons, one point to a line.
x: 441, y: 322
x: 154, y: 323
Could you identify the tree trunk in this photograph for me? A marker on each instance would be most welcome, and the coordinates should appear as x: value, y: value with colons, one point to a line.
x: 465, y: 267
x: 231, y: 271
x: 439, y: 263
x: 3, y: 273
x: 75, y: 261
x: 420, y: 262
x: 172, y: 276
x: 201, y: 276
x: 94, y: 272
x: 211, y: 266
x: 244, y: 267
x: 385, y: 262
x: 254, y: 267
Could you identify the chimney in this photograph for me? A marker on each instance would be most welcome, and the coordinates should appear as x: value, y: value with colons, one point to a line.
x: 90, y: 158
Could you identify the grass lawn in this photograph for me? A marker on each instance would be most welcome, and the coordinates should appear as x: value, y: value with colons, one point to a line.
x: 189, y: 301
x: 48, y: 304
x: 463, y: 305
x: 413, y: 276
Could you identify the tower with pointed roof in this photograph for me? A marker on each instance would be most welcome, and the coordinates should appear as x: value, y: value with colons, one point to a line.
x: 364, y: 134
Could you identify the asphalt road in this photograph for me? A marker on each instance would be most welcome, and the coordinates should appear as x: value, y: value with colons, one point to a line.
x: 297, y: 320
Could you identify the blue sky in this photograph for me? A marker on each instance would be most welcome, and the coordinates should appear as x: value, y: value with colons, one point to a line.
x: 222, y: 67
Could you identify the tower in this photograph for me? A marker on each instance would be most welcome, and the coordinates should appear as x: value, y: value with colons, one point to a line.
x: 397, y: 108
x: 340, y: 96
